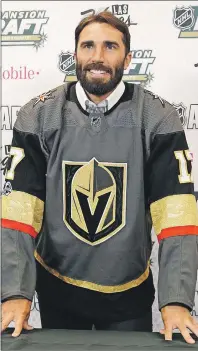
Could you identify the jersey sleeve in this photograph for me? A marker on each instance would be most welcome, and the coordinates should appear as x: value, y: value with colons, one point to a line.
x: 23, y: 202
x: 174, y: 212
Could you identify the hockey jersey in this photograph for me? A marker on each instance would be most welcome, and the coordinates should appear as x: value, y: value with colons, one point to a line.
x: 81, y: 196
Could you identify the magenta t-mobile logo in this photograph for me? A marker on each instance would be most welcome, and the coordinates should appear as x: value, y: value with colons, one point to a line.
x: 22, y: 72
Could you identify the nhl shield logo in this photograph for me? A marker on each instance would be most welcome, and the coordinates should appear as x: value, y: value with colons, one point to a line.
x: 7, y: 189
x: 67, y: 63
x: 181, y: 110
x: 184, y: 17
x: 94, y: 199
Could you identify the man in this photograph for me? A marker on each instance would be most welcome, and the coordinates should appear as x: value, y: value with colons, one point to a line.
x: 93, y: 165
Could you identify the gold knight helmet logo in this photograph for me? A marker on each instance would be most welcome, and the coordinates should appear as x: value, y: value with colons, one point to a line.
x: 94, y: 199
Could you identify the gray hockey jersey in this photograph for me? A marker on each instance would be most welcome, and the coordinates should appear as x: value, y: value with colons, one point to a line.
x: 90, y: 192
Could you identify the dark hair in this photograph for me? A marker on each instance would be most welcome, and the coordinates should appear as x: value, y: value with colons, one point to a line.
x: 105, y: 17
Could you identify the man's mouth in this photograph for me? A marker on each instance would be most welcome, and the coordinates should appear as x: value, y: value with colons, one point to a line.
x: 98, y: 73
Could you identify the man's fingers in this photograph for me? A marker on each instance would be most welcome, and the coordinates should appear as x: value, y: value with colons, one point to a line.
x: 18, y: 327
x: 162, y: 331
x: 6, y: 321
x: 184, y: 331
x: 168, y: 333
x: 27, y: 326
x: 193, y: 326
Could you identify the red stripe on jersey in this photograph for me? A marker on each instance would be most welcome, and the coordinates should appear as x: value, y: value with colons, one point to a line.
x: 178, y: 231
x: 27, y: 229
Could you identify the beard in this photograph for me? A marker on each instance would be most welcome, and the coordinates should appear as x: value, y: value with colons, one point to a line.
x: 97, y: 86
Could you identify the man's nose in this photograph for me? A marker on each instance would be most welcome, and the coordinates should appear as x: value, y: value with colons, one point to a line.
x: 98, y: 54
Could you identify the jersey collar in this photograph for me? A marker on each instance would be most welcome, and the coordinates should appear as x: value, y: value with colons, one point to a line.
x: 112, y: 99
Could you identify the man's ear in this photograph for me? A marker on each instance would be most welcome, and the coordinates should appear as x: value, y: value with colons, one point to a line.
x: 75, y: 59
x: 127, y: 60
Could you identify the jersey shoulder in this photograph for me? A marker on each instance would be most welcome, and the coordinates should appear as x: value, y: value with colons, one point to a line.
x: 158, y: 114
x: 32, y: 115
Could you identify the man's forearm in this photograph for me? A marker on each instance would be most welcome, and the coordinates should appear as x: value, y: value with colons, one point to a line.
x: 178, y: 264
x: 18, y: 265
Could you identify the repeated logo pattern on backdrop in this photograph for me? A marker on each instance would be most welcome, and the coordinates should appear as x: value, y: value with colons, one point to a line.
x: 24, y: 28
x: 186, y: 20
x: 121, y: 11
x: 139, y: 69
x: 189, y: 120
x: 37, y: 43
x: 137, y: 72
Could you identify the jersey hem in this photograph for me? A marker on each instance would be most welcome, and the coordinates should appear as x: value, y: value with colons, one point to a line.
x: 93, y: 286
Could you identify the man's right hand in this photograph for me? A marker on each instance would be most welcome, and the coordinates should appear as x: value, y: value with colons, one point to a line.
x: 17, y: 311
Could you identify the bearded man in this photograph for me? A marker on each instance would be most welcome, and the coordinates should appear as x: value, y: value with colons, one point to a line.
x: 94, y: 164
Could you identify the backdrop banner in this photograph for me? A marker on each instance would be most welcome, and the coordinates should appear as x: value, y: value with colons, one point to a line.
x: 38, y: 55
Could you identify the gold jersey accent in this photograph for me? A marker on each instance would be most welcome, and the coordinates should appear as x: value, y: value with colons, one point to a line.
x: 108, y: 289
x: 174, y: 211
x: 23, y: 208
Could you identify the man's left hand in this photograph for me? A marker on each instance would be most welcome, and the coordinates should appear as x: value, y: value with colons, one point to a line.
x: 178, y: 317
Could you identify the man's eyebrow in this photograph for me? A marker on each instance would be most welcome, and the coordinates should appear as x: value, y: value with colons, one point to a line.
x: 107, y: 42
x: 86, y: 42
x: 111, y: 42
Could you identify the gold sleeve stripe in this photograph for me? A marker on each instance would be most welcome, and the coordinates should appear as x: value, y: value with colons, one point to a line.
x: 174, y: 211
x: 93, y: 286
x: 23, y: 208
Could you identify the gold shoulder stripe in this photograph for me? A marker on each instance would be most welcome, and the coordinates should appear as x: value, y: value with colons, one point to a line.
x: 23, y: 208
x: 93, y: 286
x: 174, y: 211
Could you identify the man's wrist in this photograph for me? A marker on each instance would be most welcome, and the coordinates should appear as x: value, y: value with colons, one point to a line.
x: 15, y: 297
x: 178, y: 304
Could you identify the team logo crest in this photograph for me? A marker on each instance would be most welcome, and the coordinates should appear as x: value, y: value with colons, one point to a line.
x: 184, y: 17
x: 67, y: 64
x: 181, y: 110
x: 43, y: 97
x: 94, y: 198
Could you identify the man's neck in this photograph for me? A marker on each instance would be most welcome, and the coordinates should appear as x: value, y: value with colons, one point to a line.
x: 97, y: 99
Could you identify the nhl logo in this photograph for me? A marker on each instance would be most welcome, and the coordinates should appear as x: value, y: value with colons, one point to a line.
x: 184, y: 18
x: 181, y: 110
x: 7, y: 189
x: 67, y: 63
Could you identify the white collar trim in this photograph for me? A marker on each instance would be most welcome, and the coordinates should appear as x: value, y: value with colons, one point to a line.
x: 112, y: 99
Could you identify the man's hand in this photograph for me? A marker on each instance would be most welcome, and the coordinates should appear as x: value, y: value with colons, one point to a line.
x: 17, y: 311
x: 178, y: 317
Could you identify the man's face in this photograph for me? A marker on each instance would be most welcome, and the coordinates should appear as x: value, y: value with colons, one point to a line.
x: 100, y: 58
